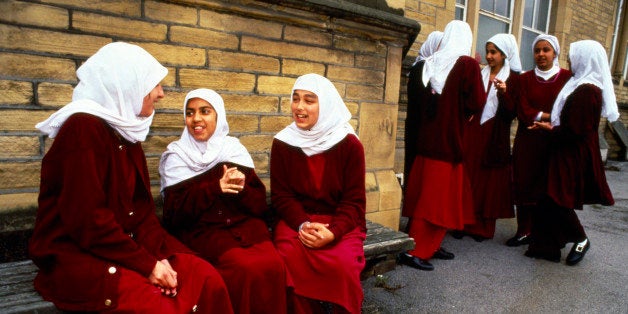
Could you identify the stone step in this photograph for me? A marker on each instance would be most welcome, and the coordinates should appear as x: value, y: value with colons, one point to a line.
x: 17, y: 294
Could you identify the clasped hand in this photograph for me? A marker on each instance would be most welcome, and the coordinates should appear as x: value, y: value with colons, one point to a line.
x: 232, y: 180
x: 315, y: 235
x: 164, y: 277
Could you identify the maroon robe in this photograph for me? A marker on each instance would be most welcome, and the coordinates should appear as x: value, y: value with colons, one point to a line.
x: 440, y: 123
x: 438, y: 194
x: 328, y: 187
x: 96, y: 230
x: 226, y: 229
x: 576, y: 172
x: 488, y: 162
x: 530, y: 150
x: 575, y: 175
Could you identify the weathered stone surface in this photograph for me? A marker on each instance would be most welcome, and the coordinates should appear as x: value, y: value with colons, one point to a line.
x: 378, y: 135
x: 15, y: 92
x: 19, y: 146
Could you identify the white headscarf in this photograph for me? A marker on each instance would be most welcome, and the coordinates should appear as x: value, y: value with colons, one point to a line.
x: 429, y: 46
x: 333, y: 118
x: 553, y: 41
x: 187, y: 157
x: 112, y: 85
x: 456, y: 42
x: 589, y: 65
x: 507, y: 44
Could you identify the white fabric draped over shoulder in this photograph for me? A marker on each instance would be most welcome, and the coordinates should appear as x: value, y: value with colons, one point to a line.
x: 456, y: 42
x: 187, y: 157
x: 333, y: 118
x: 507, y: 44
x: 112, y: 85
x: 553, y: 41
x: 429, y: 46
x: 589, y: 65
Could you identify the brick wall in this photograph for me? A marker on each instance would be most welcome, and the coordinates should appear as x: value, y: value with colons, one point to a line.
x: 249, y: 51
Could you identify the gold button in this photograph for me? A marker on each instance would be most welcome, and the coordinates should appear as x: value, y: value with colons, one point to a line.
x: 107, y: 302
x: 195, y: 308
x: 120, y: 147
x: 131, y: 213
x: 112, y: 270
x: 131, y: 235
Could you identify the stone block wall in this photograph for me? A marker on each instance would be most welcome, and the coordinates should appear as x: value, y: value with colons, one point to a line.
x: 249, y: 51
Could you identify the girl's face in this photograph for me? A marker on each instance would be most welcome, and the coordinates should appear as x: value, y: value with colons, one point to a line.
x: 544, y: 55
x: 494, y: 56
x: 148, y: 106
x: 200, y: 119
x: 305, y: 109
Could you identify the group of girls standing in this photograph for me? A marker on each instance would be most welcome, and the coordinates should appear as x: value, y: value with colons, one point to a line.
x: 460, y: 173
x: 100, y: 247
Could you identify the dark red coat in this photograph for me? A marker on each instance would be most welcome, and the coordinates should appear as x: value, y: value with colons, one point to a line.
x: 212, y: 222
x: 341, y: 169
x: 530, y: 150
x: 576, y: 172
x: 95, y: 211
x: 439, y: 120
x: 488, y: 158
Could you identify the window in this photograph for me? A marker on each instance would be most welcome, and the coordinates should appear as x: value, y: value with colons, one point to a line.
x: 461, y: 10
x: 495, y: 17
x: 535, y: 22
x: 618, y: 58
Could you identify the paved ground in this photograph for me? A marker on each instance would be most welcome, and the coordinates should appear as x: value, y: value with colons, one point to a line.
x: 491, y: 277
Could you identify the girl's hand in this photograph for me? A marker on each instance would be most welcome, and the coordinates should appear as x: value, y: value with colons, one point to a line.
x: 541, y: 126
x: 232, y: 180
x: 315, y: 235
x: 164, y: 277
x: 500, y: 86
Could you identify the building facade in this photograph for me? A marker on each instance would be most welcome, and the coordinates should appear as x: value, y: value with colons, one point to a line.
x: 568, y: 20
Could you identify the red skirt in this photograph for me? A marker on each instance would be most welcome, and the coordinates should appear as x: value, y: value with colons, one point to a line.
x: 440, y: 193
x: 330, y: 274
x: 200, y: 288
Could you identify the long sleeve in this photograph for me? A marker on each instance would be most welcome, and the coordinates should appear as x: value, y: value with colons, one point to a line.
x: 283, y: 198
x: 341, y: 194
x: 581, y: 118
x: 201, y: 200
x: 79, y: 184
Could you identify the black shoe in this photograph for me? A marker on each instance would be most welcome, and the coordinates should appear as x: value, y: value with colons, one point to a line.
x: 577, y: 252
x: 457, y: 234
x: 518, y: 240
x: 413, y: 261
x: 477, y: 238
x: 443, y: 254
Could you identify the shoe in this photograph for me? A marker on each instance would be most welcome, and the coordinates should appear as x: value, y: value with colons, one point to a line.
x: 413, y: 261
x: 518, y: 240
x: 477, y: 238
x: 457, y: 234
x: 443, y: 254
x: 577, y: 252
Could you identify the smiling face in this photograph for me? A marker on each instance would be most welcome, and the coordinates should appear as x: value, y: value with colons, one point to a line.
x: 148, y: 106
x: 544, y: 55
x: 305, y: 109
x: 200, y: 119
x: 494, y: 56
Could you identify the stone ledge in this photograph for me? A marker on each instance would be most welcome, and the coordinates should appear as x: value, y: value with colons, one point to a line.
x: 17, y: 294
x: 620, y: 131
